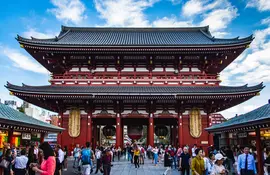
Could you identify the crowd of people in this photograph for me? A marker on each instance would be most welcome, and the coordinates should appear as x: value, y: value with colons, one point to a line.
x: 33, y: 160
x: 44, y: 160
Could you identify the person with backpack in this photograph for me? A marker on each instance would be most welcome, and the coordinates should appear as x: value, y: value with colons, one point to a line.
x: 87, y: 156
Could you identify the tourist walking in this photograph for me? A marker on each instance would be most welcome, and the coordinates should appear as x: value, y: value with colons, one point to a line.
x: 65, y: 158
x: 136, y: 156
x: 76, y: 154
x: 218, y: 168
x: 57, y: 164
x: 142, y: 155
x: 184, y: 162
x: 61, y: 156
x: 155, y: 155
x: 47, y: 160
x: 106, y: 161
x: 193, y: 150
x: 210, y: 162
x: 7, y: 157
x: 246, y: 163
x: 197, y: 164
x: 267, y: 161
x: 119, y: 153
x: 31, y: 159
x: 98, y: 158
x: 86, y: 157
x: 20, y: 163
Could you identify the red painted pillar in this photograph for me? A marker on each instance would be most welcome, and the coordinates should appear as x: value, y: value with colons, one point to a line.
x: 151, y: 130
x: 118, y: 130
x: 259, y: 151
x: 60, y: 124
x: 89, y: 127
x: 10, y: 135
x: 210, y: 136
x: 180, y: 131
x: 42, y: 136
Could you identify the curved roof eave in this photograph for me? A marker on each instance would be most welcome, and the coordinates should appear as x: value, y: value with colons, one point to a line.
x: 131, y: 46
x: 23, y: 89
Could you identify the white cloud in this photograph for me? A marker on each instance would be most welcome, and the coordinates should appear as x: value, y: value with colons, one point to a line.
x: 260, y: 39
x: 219, y: 19
x: 196, y: 7
x: 261, y: 5
x: 34, y: 33
x: 22, y: 61
x: 175, y: 2
x: 265, y: 21
x: 68, y: 11
x: 254, y: 66
x: 171, y: 22
x: 127, y: 13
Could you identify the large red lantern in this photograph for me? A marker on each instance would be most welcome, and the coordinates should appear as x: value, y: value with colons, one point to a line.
x: 109, y: 131
x: 135, y: 132
x: 161, y: 131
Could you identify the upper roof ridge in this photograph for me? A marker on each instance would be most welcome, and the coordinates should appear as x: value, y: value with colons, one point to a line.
x: 142, y: 29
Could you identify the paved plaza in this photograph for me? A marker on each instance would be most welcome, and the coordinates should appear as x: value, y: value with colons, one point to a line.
x: 123, y: 167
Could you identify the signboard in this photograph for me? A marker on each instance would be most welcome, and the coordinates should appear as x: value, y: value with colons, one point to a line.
x: 26, y: 136
x: 51, y: 138
x: 242, y: 135
x: 204, y: 142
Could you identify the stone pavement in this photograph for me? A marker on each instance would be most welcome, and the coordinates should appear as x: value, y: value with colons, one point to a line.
x: 123, y: 167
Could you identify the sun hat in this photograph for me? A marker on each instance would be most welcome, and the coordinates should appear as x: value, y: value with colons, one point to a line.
x: 219, y: 156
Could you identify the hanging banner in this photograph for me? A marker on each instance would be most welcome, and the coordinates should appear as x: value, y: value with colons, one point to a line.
x: 74, y: 122
x: 195, y: 123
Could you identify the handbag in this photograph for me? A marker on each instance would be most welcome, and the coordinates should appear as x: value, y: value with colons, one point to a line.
x: 4, y: 163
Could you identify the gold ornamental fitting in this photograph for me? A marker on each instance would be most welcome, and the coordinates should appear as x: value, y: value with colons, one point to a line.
x: 247, y: 46
x: 258, y: 94
x: 21, y: 45
x: 11, y: 93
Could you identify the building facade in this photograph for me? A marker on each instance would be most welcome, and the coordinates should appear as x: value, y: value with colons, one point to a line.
x: 150, y: 77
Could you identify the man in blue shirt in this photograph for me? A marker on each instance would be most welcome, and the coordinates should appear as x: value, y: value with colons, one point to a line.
x: 246, y: 163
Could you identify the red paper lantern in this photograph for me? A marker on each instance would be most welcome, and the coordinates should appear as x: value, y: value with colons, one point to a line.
x: 135, y: 132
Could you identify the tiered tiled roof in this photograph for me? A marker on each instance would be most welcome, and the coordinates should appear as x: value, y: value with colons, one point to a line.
x: 259, y: 116
x: 190, y: 36
x: 12, y: 117
x: 136, y: 90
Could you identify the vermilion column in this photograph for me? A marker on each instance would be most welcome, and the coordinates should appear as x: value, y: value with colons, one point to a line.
x: 89, y: 127
x: 60, y: 124
x: 180, y: 131
x: 118, y: 130
x: 42, y: 136
x: 10, y: 136
x: 210, y: 136
x: 151, y: 130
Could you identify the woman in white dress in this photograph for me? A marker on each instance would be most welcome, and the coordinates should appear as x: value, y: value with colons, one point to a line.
x: 218, y: 168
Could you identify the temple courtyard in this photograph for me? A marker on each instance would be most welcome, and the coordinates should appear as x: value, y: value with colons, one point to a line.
x: 124, y: 167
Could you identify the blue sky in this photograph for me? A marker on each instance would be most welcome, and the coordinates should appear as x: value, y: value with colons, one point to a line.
x: 226, y: 18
